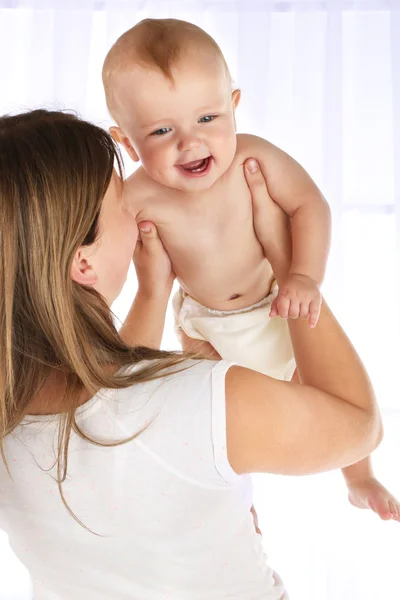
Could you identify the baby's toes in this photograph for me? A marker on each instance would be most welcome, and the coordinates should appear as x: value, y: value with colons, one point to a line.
x: 380, y: 504
x: 383, y: 508
x: 395, y: 510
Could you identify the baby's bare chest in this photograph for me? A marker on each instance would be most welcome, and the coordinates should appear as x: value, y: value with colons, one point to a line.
x: 211, y: 241
x: 219, y: 218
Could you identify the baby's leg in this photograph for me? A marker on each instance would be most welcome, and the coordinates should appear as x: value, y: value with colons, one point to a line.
x: 365, y: 491
x: 200, y: 347
x: 295, y: 377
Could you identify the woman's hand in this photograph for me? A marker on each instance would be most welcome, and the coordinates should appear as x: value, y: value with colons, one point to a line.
x: 144, y: 323
x: 271, y: 224
x: 299, y: 296
x: 153, y: 266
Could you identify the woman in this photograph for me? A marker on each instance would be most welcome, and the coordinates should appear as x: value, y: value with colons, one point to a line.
x: 128, y: 467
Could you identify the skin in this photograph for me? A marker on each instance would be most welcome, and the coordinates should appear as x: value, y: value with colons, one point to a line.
x: 262, y: 413
x: 104, y: 265
x: 206, y: 224
x: 216, y: 256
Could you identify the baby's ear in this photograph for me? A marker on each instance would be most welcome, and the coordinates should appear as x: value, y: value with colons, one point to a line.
x: 236, y: 95
x: 119, y: 136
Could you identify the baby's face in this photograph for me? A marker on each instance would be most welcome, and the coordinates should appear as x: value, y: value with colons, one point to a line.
x: 182, y: 132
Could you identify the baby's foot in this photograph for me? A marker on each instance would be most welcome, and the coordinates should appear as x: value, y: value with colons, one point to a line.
x: 370, y: 493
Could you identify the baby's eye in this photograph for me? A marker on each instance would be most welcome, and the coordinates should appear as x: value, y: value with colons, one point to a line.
x: 161, y: 131
x: 207, y: 119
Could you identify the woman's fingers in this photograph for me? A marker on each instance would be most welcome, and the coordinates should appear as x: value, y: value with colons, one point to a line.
x: 261, y: 201
x: 147, y: 227
x: 148, y: 235
x: 257, y: 184
x: 271, y: 224
x: 152, y: 263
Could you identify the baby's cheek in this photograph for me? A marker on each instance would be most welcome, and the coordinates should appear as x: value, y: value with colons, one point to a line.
x: 225, y: 136
x: 155, y: 157
x: 227, y: 150
x: 158, y: 165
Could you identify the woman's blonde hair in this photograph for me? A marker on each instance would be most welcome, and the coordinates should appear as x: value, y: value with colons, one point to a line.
x: 54, y: 172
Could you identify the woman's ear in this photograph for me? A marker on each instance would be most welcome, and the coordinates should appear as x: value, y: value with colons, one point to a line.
x: 120, y: 137
x: 236, y: 95
x: 82, y: 271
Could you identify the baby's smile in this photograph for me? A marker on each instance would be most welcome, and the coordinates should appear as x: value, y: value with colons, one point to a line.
x: 196, y: 168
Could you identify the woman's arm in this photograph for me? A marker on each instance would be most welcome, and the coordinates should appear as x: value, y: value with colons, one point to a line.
x: 144, y: 324
x: 330, y: 421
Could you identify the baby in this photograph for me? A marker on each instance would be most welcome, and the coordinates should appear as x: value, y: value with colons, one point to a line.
x: 169, y: 90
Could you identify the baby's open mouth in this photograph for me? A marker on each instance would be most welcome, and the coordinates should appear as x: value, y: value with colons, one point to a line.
x: 196, y: 167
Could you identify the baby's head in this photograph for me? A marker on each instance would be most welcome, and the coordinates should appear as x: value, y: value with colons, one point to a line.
x: 169, y: 90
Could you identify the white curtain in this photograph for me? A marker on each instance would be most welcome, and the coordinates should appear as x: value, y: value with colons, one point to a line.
x: 321, y: 79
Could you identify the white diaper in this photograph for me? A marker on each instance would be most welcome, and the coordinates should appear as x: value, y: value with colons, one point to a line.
x: 247, y: 336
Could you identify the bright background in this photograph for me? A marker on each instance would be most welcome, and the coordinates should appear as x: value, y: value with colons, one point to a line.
x: 321, y: 79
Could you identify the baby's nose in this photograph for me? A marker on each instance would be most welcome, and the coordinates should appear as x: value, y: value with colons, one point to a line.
x: 188, y: 143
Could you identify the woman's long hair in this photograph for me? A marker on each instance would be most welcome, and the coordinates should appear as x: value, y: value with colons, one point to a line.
x: 54, y: 172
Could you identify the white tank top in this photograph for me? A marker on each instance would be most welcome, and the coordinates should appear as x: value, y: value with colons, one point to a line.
x: 172, y: 517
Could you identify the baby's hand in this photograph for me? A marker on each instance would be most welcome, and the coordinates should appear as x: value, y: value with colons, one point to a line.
x: 299, y: 297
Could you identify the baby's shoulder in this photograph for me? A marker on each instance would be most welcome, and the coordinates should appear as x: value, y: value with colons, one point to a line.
x: 139, y: 188
x: 247, y: 142
x: 253, y: 146
x: 139, y: 181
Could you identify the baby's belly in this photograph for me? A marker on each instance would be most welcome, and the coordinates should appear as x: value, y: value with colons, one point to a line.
x: 220, y: 289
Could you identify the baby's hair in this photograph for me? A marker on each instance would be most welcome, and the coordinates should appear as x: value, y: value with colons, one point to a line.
x: 159, y: 44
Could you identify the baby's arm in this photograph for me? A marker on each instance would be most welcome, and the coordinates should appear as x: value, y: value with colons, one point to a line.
x: 294, y: 191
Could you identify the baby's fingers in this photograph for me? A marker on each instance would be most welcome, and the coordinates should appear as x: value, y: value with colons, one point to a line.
x: 283, y: 306
x: 315, y: 308
x: 294, y: 309
x: 304, y: 310
x: 274, y: 309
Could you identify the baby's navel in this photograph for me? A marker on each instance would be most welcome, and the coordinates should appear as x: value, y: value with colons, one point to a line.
x: 235, y: 296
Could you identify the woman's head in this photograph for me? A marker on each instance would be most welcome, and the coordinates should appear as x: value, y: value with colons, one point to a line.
x: 62, y: 207
x: 66, y: 242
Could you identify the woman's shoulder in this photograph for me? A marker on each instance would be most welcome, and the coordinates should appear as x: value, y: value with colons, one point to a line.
x: 191, y: 386
x: 186, y: 414
x: 202, y: 365
x: 189, y: 375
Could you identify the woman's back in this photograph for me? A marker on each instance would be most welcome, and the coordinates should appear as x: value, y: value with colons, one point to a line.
x: 173, y: 518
